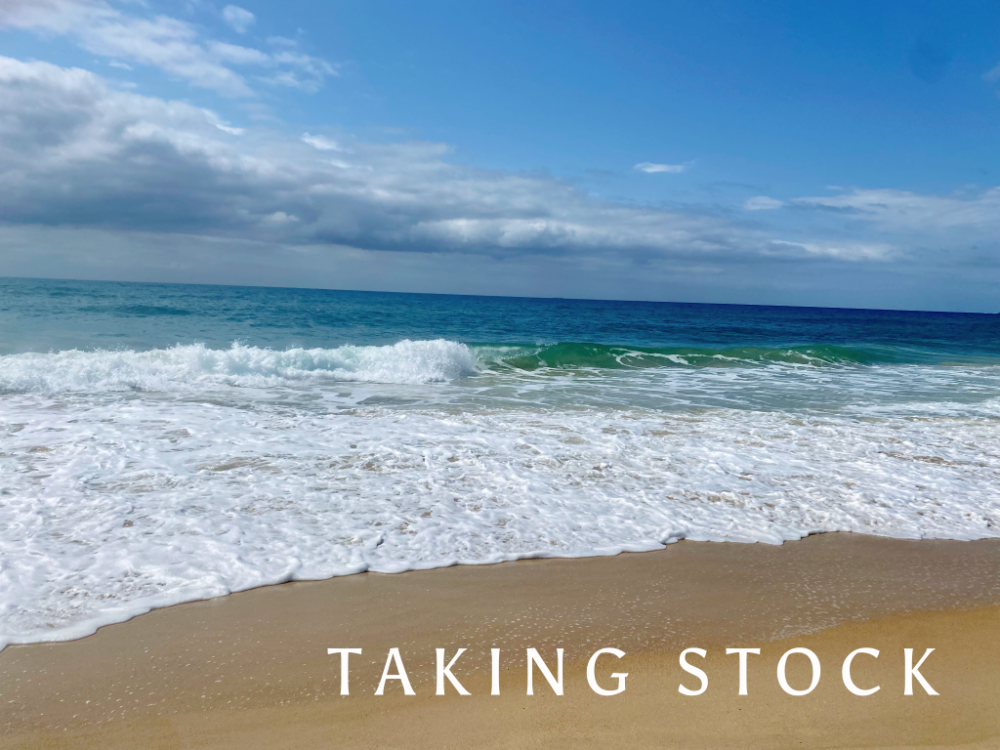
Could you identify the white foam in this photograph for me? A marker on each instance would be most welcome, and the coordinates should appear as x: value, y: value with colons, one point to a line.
x: 113, y: 502
x: 196, y: 366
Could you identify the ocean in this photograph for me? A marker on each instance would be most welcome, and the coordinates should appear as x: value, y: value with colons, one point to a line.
x: 167, y: 443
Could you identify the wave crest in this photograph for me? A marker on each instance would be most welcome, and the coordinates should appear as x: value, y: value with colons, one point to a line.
x: 407, y: 362
x: 603, y: 356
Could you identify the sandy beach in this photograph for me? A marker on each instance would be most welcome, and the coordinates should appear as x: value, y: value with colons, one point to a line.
x: 499, y: 376
x: 251, y: 670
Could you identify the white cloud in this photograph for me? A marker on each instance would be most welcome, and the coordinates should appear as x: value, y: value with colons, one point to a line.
x: 80, y: 157
x: 101, y: 182
x: 238, y: 18
x: 76, y: 152
x: 763, y: 203
x: 280, y: 41
x: 237, y: 55
x: 840, y: 250
x: 320, y: 143
x: 172, y: 45
x: 904, y: 211
x: 651, y: 168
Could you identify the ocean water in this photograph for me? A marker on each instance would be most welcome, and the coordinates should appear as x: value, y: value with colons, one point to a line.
x: 165, y: 443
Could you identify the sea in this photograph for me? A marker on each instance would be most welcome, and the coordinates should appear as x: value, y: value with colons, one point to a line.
x: 167, y: 443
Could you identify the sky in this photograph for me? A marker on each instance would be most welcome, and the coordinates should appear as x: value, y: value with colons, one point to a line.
x: 831, y: 154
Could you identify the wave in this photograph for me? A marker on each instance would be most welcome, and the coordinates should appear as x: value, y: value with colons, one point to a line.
x: 407, y: 362
x: 603, y: 356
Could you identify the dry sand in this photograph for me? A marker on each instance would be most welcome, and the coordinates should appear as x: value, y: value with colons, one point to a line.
x: 251, y: 670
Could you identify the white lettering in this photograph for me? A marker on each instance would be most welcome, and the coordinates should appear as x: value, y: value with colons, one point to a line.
x: 344, y: 657
x: 743, y: 664
x: 914, y: 671
x: 846, y: 672
x: 495, y: 652
x: 592, y: 679
x: 393, y: 659
x: 813, y: 659
x: 443, y: 671
x: 693, y: 670
x: 534, y: 658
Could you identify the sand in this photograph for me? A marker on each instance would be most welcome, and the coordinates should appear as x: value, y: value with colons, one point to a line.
x: 251, y: 670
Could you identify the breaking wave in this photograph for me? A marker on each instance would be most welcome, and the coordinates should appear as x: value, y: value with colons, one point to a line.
x: 408, y: 362
x: 602, y: 356
x: 404, y: 363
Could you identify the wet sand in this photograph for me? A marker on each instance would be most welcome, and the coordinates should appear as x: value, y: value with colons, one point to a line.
x: 251, y: 670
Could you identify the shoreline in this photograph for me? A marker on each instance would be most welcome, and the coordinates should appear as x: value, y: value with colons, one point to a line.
x: 87, y: 628
x: 228, y: 669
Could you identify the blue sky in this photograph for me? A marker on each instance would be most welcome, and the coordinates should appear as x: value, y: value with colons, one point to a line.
x: 775, y: 153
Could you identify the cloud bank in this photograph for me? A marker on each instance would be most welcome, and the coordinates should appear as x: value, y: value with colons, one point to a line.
x: 149, y: 188
x: 75, y: 151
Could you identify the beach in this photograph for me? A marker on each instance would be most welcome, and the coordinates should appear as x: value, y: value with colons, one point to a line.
x: 205, y: 489
x: 251, y: 670
x: 162, y: 444
x: 499, y: 376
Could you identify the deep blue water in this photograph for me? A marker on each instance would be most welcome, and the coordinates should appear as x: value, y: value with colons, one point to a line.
x: 51, y: 315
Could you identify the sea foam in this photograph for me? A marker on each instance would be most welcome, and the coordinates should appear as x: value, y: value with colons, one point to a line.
x: 132, y: 480
x: 198, y: 366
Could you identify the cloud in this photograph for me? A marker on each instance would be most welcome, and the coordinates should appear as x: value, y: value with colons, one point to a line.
x: 842, y: 251
x: 83, y: 158
x: 763, y: 203
x: 76, y: 152
x: 174, y: 46
x: 303, y: 72
x: 233, y: 53
x: 320, y: 143
x: 904, y: 211
x: 280, y: 41
x: 934, y: 232
x: 651, y: 168
x: 238, y: 18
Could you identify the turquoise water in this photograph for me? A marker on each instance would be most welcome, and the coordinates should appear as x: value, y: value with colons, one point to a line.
x: 162, y: 443
x: 42, y: 315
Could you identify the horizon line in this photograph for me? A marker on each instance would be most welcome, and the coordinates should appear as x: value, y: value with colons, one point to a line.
x: 500, y: 296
